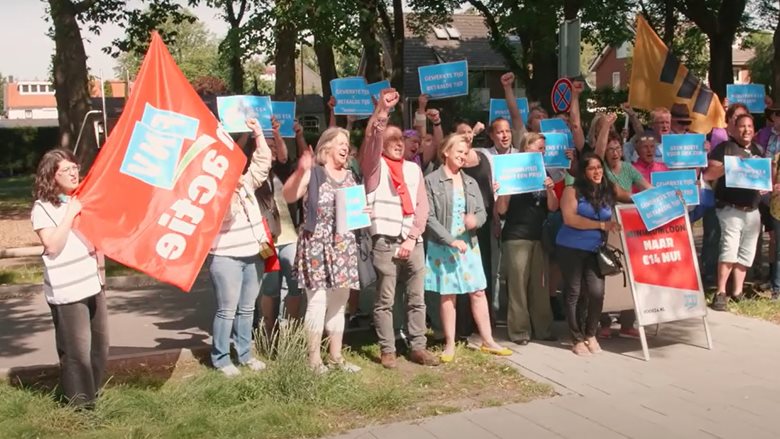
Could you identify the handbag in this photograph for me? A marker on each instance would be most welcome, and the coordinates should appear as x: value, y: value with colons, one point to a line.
x: 366, y: 271
x: 610, y: 260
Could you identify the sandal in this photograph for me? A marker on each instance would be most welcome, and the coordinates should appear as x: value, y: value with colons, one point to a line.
x: 343, y: 365
x: 581, y: 349
x: 501, y: 352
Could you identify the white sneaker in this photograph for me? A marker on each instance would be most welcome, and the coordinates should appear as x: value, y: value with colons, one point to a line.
x: 230, y: 371
x: 255, y: 364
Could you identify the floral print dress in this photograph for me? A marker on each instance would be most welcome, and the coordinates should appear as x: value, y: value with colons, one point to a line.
x: 448, y: 271
x: 326, y: 259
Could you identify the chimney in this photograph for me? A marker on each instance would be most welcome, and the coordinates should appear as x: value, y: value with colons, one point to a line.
x: 10, y: 79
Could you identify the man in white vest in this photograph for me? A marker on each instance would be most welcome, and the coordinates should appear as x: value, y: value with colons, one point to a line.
x: 396, y: 194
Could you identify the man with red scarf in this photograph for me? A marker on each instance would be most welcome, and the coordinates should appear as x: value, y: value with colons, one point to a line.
x: 396, y: 194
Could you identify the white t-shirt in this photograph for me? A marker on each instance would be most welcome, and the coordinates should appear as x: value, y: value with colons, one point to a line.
x: 73, y: 274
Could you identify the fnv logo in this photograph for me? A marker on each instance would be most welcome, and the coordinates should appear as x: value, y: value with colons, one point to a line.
x: 155, y: 146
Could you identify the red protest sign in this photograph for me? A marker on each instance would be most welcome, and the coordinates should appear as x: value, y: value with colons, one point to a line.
x: 663, y: 268
x: 158, y: 190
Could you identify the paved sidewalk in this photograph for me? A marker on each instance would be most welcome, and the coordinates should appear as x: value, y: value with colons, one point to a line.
x: 141, y: 321
x: 684, y: 391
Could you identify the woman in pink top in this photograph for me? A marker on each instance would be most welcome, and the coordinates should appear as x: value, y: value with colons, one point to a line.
x: 645, y: 148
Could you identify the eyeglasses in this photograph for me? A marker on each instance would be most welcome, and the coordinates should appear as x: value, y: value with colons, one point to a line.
x: 69, y: 170
x: 593, y: 168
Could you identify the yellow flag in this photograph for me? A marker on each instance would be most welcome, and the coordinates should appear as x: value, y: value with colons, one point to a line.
x: 659, y: 79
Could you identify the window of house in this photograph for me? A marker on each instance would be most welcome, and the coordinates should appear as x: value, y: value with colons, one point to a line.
x: 616, y: 80
x: 452, y: 32
x: 28, y: 114
x: 440, y: 33
x: 24, y: 88
x: 736, y: 75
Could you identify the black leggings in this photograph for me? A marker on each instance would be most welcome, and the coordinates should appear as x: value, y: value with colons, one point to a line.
x: 583, y: 291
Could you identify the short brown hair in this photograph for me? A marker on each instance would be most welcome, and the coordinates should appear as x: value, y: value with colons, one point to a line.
x: 733, y: 109
x: 45, y: 188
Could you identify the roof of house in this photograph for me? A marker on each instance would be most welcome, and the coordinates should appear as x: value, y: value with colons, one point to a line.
x: 472, y: 43
x: 740, y: 57
x: 16, y: 100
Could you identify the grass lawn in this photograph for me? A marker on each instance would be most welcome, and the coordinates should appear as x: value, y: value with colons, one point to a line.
x: 32, y: 272
x: 758, y: 307
x: 15, y: 196
x: 285, y: 401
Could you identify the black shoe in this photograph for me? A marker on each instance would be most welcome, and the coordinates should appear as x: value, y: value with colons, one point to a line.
x: 520, y: 342
x: 719, y: 302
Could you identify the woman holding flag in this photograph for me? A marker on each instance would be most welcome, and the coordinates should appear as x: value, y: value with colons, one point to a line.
x: 73, y: 279
x: 236, y: 263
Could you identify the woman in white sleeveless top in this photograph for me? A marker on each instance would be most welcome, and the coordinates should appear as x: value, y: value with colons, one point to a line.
x: 235, y: 264
x: 73, y: 281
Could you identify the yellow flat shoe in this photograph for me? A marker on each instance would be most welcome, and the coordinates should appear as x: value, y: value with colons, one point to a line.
x: 503, y: 352
x: 446, y: 358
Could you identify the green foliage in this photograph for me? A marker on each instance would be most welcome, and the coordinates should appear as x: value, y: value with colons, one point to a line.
x: 22, y: 148
x: 761, y: 64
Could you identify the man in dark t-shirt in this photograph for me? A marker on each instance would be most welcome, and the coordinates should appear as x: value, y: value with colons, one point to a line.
x: 737, y: 211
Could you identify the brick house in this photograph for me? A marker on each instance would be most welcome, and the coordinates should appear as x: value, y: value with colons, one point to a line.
x: 35, y: 100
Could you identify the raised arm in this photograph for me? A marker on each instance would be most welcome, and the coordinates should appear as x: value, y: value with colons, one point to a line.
x: 574, y: 115
x: 420, y: 119
x: 429, y: 153
x: 552, y: 200
x: 371, y: 150
x: 296, y: 185
x: 605, y: 125
x: 300, y: 140
x: 282, y: 154
x: 636, y: 124
x: 508, y: 83
x: 261, y: 160
x: 332, y: 109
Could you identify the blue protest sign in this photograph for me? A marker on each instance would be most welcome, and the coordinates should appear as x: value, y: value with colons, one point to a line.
x: 284, y: 112
x: 684, y: 180
x: 658, y: 206
x: 752, y: 173
x: 498, y: 108
x: 352, y: 96
x: 555, y: 146
x: 556, y: 125
x: 751, y: 95
x: 519, y: 172
x: 446, y: 80
x: 684, y: 150
x: 350, y: 209
x: 376, y: 89
x: 234, y: 110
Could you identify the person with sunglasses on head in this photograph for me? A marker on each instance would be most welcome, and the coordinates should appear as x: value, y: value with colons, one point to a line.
x: 73, y: 280
x: 647, y: 162
x: 661, y: 124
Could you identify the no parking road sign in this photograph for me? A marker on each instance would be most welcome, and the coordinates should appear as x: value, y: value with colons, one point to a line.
x: 561, y: 95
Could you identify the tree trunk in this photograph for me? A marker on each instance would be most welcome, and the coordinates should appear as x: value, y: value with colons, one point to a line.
x: 670, y: 23
x: 233, y: 43
x: 371, y: 47
x: 776, y: 66
x: 545, y: 73
x: 284, y: 59
x: 721, y: 71
x: 327, y: 63
x: 397, y: 76
x: 71, y: 80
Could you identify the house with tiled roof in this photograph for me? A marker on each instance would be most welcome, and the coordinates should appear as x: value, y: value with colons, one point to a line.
x: 35, y: 100
x: 465, y: 37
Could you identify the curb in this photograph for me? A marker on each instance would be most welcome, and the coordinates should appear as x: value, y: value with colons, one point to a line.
x: 116, y: 364
x: 21, y: 252
x: 120, y: 283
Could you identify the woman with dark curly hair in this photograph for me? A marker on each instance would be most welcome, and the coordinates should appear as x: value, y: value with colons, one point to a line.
x: 72, y: 279
x: 587, y: 217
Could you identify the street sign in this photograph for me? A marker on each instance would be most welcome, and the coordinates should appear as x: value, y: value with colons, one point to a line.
x: 561, y: 95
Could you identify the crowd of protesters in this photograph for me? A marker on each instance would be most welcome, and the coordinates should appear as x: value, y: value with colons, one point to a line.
x: 438, y: 229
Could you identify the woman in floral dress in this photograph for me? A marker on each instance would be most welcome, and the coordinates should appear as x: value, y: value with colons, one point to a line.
x: 326, y: 263
x: 453, y: 260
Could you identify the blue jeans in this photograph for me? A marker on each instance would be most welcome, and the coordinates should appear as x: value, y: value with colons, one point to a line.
x: 710, y: 248
x: 282, y: 283
x: 236, y: 286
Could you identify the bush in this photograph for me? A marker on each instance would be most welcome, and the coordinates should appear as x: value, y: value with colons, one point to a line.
x: 21, y: 148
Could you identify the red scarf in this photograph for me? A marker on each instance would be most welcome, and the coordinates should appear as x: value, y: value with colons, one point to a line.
x: 397, y: 177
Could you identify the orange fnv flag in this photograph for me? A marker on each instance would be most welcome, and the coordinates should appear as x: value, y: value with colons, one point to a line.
x: 659, y: 79
x: 158, y: 190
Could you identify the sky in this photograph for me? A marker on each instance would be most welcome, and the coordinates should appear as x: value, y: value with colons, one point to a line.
x: 25, y: 50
